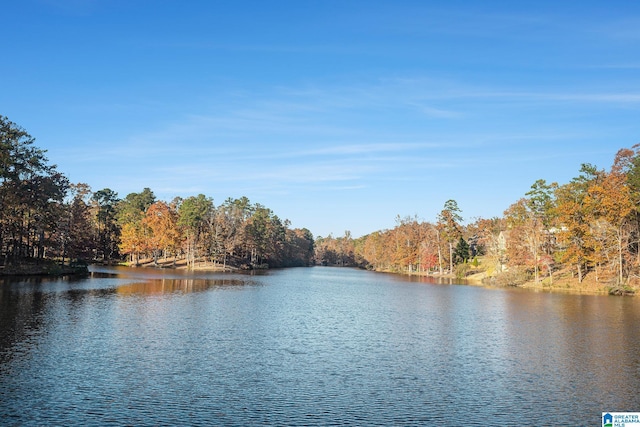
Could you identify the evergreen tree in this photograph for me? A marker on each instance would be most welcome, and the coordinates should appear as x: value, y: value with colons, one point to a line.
x: 31, y: 195
x: 105, y: 202
x: 461, y: 253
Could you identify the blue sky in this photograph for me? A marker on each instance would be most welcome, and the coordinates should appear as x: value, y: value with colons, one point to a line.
x: 338, y: 115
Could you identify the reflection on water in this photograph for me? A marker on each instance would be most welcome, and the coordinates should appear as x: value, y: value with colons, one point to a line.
x: 163, y: 286
x: 317, y: 346
x: 123, y: 280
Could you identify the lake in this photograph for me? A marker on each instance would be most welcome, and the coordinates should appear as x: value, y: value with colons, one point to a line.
x: 309, y: 346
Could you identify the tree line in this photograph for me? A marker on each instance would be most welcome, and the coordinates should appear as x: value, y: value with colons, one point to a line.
x: 43, y: 215
x: 588, y: 226
x: 411, y: 246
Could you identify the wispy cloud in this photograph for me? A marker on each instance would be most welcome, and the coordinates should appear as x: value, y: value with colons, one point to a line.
x: 627, y: 29
x: 591, y: 97
x: 336, y: 120
x: 617, y: 66
x: 348, y: 137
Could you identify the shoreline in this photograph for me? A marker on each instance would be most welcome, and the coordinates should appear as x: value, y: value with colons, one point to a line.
x: 562, y: 282
x: 560, y: 285
x: 42, y: 270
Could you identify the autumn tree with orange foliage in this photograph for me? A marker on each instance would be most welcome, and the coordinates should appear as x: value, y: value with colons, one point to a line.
x: 161, y: 219
x: 609, y: 202
x: 575, y: 215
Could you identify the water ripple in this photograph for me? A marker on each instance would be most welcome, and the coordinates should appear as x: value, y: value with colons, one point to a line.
x: 314, y: 346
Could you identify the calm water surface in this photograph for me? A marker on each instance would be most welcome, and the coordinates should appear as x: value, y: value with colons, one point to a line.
x: 312, y: 346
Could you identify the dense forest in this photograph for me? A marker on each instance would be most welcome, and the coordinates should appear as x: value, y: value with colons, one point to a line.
x: 44, y: 216
x: 586, y: 228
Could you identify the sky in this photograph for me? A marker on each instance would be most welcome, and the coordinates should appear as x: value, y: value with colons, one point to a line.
x: 337, y: 115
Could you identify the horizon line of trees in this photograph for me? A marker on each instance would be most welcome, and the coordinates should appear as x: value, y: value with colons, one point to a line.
x: 43, y: 215
x: 411, y: 246
x: 588, y: 226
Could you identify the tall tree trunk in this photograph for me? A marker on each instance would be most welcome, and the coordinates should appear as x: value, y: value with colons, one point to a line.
x: 620, y: 256
x: 535, y: 263
x: 579, y: 272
